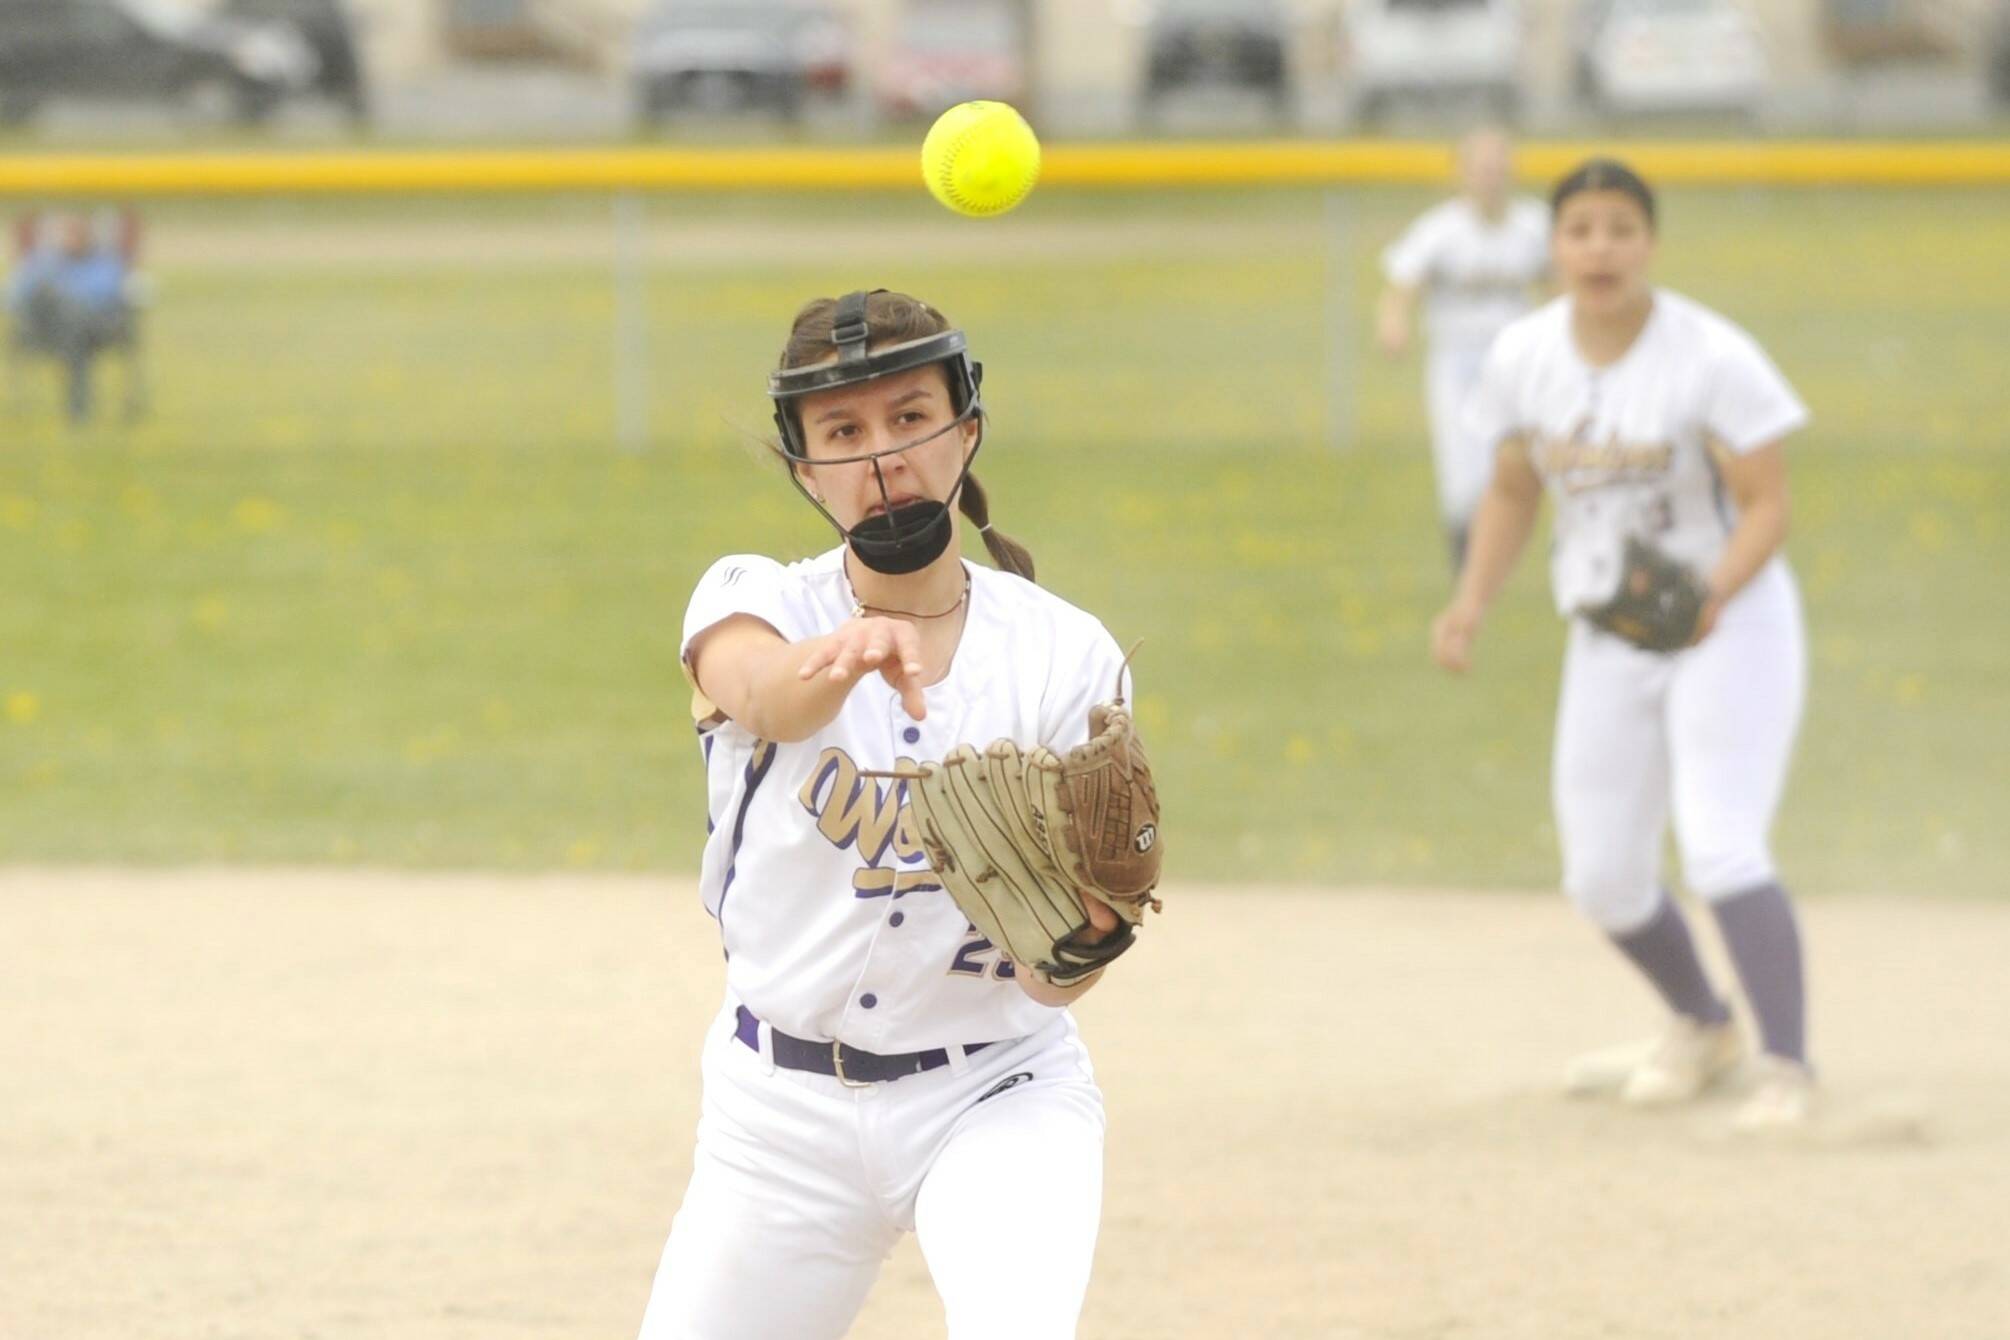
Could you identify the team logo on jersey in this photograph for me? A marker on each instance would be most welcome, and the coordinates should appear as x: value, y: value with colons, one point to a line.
x: 1581, y: 461
x: 1009, y: 1082
x: 856, y: 811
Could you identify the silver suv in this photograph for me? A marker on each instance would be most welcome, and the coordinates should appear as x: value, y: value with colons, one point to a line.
x: 740, y: 55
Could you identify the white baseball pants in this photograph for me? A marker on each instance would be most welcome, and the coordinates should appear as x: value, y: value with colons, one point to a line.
x: 1710, y: 729
x: 800, y: 1186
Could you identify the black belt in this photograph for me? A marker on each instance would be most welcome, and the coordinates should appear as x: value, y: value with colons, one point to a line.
x: 838, y: 1060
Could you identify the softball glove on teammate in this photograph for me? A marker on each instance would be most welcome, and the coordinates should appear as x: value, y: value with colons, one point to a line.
x: 1658, y: 603
x: 1019, y: 837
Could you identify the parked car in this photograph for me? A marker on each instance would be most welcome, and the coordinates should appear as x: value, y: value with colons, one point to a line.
x: 1998, y: 57
x: 329, y: 28
x: 1654, y: 56
x: 948, y: 51
x: 1221, y: 43
x: 146, y: 51
x: 1432, y: 50
x: 750, y: 55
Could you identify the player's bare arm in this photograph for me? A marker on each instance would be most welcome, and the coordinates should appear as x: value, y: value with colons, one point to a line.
x: 1757, y: 483
x: 1501, y: 528
x: 788, y: 691
x: 1395, y: 316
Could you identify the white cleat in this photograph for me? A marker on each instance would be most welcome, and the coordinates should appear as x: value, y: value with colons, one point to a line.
x: 1603, y: 1073
x: 1782, y: 1100
x: 1684, y: 1063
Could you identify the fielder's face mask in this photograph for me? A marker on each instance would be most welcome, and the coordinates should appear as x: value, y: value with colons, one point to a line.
x: 910, y: 536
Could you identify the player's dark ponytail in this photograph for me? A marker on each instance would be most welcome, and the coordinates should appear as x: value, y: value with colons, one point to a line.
x: 1603, y: 174
x: 1005, y: 551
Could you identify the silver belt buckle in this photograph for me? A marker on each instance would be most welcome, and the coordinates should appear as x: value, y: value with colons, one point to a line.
x: 837, y: 1065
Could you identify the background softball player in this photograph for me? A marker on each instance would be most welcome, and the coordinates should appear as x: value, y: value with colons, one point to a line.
x: 1643, y: 414
x: 1475, y: 259
x: 876, y: 1066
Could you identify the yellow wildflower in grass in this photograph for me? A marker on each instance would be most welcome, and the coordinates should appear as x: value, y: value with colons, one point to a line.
x: 583, y: 852
x: 284, y: 430
x: 1928, y: 530
x: 1141, y: 510
x: 1152, y: 713
x: 212, y: 612
x: 17, y: 512
x: 434, y: 744
x: 1298, y: 750
x: 1910, y: 688
x: 395, y: 585
x: 22, y: 707
x: 139, y: 502
x: 257, y: 515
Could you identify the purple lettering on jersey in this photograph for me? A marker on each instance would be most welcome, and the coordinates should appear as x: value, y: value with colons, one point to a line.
x: 877, y: 881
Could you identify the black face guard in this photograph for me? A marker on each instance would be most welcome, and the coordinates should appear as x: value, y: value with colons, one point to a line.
x: 914, y: 534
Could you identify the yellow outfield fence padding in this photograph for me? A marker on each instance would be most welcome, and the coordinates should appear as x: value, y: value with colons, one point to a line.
x: 1173, y: 165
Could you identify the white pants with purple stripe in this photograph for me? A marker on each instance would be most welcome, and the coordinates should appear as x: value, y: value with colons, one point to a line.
x: 800, y: 1187
x: 1707, y: 733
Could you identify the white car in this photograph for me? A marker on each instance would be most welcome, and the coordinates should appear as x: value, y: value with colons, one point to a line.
x: 1672, y: 56
x: 1431, y: 49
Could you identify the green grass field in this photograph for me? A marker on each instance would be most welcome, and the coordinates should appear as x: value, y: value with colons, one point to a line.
x: 373, y: 584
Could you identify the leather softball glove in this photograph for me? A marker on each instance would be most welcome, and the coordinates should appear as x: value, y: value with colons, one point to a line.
x: 1020, y: 837
x: 1657, y: 604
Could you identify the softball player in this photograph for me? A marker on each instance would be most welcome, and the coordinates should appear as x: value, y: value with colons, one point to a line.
x: 877, y: 1066
x: 1644, y: 414
x: 1477, y: 260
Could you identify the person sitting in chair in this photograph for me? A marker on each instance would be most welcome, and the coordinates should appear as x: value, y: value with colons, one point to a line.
x: 71, y: 299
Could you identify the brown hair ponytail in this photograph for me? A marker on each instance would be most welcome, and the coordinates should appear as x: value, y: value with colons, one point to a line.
x: 1006, y: 552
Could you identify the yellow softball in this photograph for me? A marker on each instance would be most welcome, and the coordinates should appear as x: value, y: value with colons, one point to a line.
x: 980, y: 158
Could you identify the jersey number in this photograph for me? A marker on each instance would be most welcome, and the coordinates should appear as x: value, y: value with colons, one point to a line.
x: 1661, y: 514
x: 969, y: 960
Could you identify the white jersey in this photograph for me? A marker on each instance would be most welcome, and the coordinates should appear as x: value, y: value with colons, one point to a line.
x: 833, y: 922
x: 1626, y: 449
x: 1475, y: 273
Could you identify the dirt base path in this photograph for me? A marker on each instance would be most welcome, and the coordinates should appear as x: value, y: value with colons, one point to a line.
x: 322, y: 1105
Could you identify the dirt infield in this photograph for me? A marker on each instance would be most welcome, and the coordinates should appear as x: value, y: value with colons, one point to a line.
x: 326, y: 1105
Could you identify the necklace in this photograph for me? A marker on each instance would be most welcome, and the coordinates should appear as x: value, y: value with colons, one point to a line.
x: 859, y: 607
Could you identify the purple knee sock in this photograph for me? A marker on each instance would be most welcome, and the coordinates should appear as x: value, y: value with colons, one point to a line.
x: 1765, y: 943
x: 1665, y: 953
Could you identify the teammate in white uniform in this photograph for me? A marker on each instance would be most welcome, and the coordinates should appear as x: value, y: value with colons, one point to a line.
x: 1645, y: 414
x: 1477, y: 260
x: 877, y: 1066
